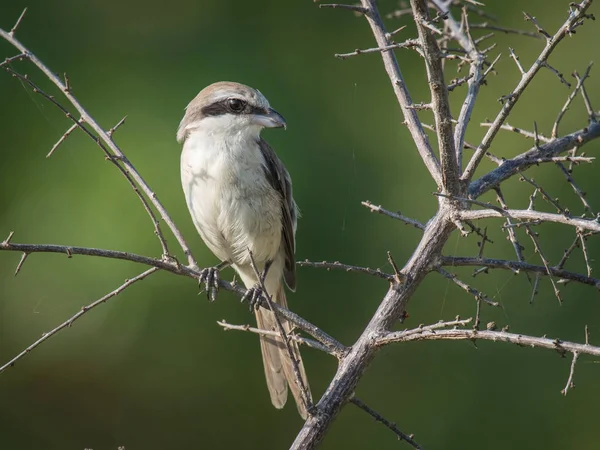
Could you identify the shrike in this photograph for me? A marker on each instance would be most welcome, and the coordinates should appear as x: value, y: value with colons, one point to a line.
x: 240, y: 197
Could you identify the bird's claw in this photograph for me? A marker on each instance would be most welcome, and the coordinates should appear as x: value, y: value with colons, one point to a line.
x: 210, y: 278
x: 253, y: 296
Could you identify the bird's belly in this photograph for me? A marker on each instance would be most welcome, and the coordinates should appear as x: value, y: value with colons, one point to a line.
x: 233, y: 211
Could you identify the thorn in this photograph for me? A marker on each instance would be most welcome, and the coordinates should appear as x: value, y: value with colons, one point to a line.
x: 7, y: 240
x: 17, y: 23
x: 20, y: 265
x: 67, y: 83
x: 398, y: 277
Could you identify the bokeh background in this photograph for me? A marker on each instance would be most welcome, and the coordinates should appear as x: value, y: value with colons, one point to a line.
x: 151, y: 369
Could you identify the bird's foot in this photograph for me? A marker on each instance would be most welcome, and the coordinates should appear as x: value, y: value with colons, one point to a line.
x: 210, y: 278
x: 253, y: 296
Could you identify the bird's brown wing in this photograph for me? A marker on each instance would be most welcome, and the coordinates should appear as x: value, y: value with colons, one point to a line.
x: 280, y: 179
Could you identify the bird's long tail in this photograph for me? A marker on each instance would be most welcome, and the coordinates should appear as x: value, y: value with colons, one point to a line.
x: 279, y: 368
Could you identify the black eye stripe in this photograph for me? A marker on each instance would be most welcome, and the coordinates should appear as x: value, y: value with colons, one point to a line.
x: 222, y: 107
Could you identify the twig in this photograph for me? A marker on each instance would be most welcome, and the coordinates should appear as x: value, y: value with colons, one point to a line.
x: 439, y: 97
x: 538, y: 249
x: 581, y: 194
x: 173, y: 267
x: 117, y: 126
x: 534, y: 289
x: 531, y: 157
x: 410, y: 43
x: 585, y: 224
x: 70, y: 321
x: 521, y: 340
x: 534, y: 21
x: 103, y: 135
x: 355, y: 8
x: 394, y: 215
x: 570, y: 384
x: 528, y: 134
x: 572, y: 95
x: 586, y: 99
x: 584, y: 250
x: 113, y: 159
x: 512, y: 236
x: 558, y: 74
x: 62, y: 139
x: 392, y: 426
x: 575, y: 16
x: 299, y: 339
x: 545, y: 195
x: 474, y: 292
x: 567, y: 252
x: 517, y: 266
x: 17, y: 23
x: 400, y: 90
x: 346, y: 267
x: 487, y: 26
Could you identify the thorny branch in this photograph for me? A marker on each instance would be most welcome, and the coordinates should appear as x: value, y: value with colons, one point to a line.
x: 441, y: 40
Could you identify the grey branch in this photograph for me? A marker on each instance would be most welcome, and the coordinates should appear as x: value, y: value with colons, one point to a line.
x: 301, y: 340
x: 577, y: 14
x: 457, y: 194
x: 527, y: 214
x: 531, y: 157
x: 67, y: 323
x: 104, y: 136
x: 521, y: 266
x: 558, y: 345
x: 409, y: 439
x: 401, y: 91
x: 170, y: 266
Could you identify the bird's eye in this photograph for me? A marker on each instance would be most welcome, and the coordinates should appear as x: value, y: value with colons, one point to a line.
x: 236, y: 105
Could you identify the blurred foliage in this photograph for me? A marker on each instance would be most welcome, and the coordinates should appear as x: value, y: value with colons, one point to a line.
x: 150, y: 369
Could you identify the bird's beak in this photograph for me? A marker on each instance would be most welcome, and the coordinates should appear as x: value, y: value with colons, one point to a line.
x: 272, y: 119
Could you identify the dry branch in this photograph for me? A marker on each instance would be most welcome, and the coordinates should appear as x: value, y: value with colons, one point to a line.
x: 441, y: 40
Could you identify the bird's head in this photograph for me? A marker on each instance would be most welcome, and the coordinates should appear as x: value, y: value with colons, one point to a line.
x: 227, y: 107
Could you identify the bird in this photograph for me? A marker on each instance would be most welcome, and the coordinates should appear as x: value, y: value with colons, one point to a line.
x: 239, y: 195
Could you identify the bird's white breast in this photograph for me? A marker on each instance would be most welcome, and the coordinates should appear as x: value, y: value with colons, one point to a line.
x: 229, y: 197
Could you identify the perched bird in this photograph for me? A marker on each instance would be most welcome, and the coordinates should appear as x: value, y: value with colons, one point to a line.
x: 239, y: 195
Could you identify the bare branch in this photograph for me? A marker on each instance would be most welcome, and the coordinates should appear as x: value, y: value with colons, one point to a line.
x: 174, y: 267
x: 346, y: 267
x: 570, y: 384
x: 355, y: 8
x: 531, y: 157
x: 17, y: 23
x: 410, y: 43
x: 538, y: 250
x: 62, y: 139
x: 299, y: 339
x: 479, y: 296
x: 439, y: 97
x: 584, y: 249
x: 404, y: 100
x: 70, y: 321
x: 575, y: 16
x: 103, y: 136
x: 521, y: 340
x: 392, y: 426
x: 570, y: 98
x: 487, y: 26
x: 517, y: 266
x: 393, y: 215
x: 512, y: 236
x: 586, y: 99
x: 584, y: 224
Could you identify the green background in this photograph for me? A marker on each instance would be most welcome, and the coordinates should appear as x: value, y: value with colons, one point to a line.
x: 151, y: 369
